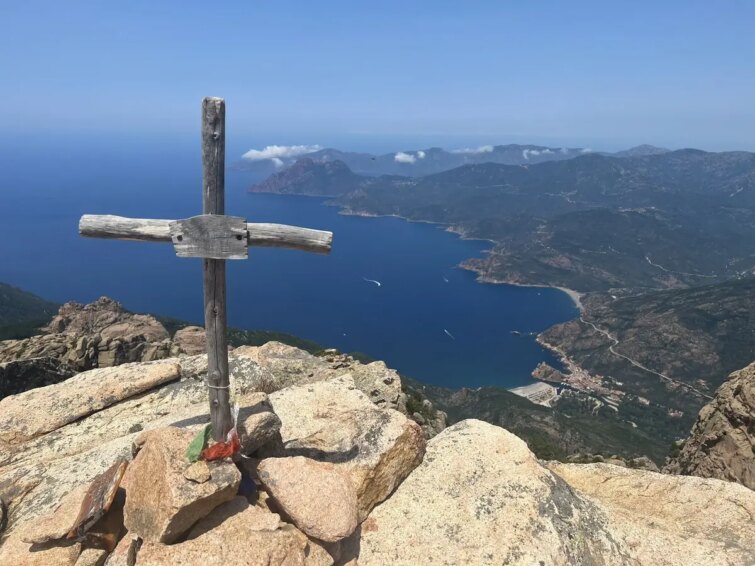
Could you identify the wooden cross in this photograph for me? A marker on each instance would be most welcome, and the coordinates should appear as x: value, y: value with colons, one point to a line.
x: 215, y: 238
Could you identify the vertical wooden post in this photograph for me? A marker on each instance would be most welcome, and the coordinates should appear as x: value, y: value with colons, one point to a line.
x: 213, y: 193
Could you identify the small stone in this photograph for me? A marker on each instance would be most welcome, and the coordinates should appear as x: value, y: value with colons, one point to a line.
x: 198, y: 472
x: 258, y: 518
x: 258, y: 424
x: 317, y: 496
x: 161, y: 504
x: 125, y: 552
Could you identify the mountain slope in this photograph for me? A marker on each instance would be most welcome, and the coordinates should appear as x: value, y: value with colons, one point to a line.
x: 21, y: 312
x: 658, y: 357
x: 590, y: 223
x: 641, y: 150
x: 574, y: 426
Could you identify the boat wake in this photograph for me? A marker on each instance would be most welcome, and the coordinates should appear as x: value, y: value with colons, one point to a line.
x: 375, y: 281
x: 449, y: 334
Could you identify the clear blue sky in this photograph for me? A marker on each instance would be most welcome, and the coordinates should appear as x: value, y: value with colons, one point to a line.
x: 605, y: 74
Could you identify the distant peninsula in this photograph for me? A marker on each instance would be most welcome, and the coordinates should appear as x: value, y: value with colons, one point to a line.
x: 658, y: 245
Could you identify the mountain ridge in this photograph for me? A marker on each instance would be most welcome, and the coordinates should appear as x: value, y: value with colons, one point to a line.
x: 419, y: 162
x: 590, y: 223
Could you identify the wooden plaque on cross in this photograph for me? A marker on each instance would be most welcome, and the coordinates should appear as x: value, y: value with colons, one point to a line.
x: 214, y: 237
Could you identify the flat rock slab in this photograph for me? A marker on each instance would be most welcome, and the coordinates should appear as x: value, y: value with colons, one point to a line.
x: 237, y: 534
x: 33, y: 413
x: 16, y: 552
x: 57, y: 525
x: 317, y: 496
x: 684, y: 519
x: 291, y: 366
x: 161, y: 504
x: 332, y: 421
x: 481, y: 497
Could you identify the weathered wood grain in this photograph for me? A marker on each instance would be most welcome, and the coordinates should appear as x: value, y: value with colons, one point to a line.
x: 121, y: 228
x: 293, y: 237
x: 216, y: 325
x: 258, y: 234
x: 211, y: 236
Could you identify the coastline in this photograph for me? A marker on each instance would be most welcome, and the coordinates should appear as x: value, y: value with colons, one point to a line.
x: 575, y: 296
x: 451, y: 229
x: 330, y: 200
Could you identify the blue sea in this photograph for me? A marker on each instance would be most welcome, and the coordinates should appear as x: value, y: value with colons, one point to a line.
x: 428, y: 318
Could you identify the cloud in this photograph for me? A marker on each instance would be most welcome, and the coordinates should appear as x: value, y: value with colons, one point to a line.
x: 276, y: 152
x: 402, y: 157
x: 527, y: 152
x: 481, y: 149
x: 421, y: 154
x: 586, y: 150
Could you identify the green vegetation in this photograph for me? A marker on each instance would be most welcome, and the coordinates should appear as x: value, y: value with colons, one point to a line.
x: 572, y: 426
x: 21, y: 330
x: 696, y: 336
x: 22, y: 313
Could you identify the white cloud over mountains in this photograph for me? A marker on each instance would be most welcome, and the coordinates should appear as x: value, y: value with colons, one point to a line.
x: 527, y: 152
x: 276, y: 153
x: 402, y: 157
x: 481, y: 149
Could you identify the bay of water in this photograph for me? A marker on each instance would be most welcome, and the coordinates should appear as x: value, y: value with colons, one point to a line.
x: 428, y: 319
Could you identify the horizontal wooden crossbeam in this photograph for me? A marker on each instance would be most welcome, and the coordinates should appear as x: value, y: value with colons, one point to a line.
x: 152, y: 230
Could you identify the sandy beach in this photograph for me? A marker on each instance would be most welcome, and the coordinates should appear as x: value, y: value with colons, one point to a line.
x: 540, y: 393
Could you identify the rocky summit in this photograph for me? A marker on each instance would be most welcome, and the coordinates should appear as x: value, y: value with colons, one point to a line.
x: 82, y: 337
x: 332, y: 470
x: 722, y: 442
